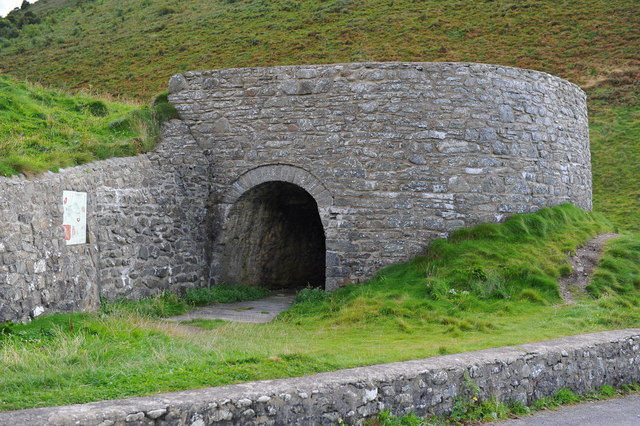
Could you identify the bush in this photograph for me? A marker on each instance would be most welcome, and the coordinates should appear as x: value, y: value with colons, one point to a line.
x: 7, y: 29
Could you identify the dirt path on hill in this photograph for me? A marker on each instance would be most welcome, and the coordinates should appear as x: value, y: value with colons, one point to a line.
x: 582, y: 264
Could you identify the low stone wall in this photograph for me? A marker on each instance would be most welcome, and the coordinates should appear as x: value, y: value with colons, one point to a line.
x: 523, y: 373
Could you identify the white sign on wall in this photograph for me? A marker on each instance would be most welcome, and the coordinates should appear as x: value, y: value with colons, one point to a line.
x: 74, y: 217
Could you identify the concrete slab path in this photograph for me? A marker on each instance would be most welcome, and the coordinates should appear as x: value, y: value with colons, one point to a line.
x: 254, y: 311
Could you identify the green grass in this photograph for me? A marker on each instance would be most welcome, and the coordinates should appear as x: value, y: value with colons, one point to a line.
x: 408, y: 311
x: 160, y: 306
x: 45, y: 129
x: 149, y: 40
x: 619, y: 271
x: 615, y: 147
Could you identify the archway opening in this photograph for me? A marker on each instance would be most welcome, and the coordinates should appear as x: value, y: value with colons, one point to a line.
x: 275, y: 239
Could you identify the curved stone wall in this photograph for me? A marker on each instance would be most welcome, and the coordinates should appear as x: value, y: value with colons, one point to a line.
x: 381, y: 157
x: 395, y: 154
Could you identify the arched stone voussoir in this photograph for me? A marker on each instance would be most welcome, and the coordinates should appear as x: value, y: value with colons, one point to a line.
x: 279, y: 172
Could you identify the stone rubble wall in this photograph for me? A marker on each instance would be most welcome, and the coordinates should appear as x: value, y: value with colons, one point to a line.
x: 407, y: 151
x: 394, y: 155
x: 144, y: 231
x: 428, y: 386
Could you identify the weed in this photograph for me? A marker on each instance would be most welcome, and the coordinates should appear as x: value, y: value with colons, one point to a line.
x: 562, y: 397
x: 468, y: 406
x: 630, y: 387
x: 564, y: 270
x: 517, y: 408
x: 607, y: 391
x: 565, y: 396
x: 310, y: 295
x: 387, y: 419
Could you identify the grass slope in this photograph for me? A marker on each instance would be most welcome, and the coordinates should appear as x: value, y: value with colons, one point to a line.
x: 615, y: 147
x: 131, y: 48
x: 432, y: 305
x: 46, y: 129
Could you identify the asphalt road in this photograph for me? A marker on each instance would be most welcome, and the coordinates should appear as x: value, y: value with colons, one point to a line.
x: 612, y: 412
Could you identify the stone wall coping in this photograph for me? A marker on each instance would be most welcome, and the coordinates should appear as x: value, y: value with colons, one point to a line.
x: 141, y: 410
x: 179, y: 83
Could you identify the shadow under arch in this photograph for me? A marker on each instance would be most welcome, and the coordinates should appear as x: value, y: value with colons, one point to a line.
x: 273, y: 233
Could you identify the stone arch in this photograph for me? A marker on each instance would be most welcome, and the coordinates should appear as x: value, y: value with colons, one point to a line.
x: 274, y: 229
x: 284, y: 173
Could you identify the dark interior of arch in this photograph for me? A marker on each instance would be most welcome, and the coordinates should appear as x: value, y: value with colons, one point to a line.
x: 275, y: 239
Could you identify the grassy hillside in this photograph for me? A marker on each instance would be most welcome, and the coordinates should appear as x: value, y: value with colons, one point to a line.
x: 46, y: 129
x: 615, y: 148
x: 488, y: 286
x: 131, y: 48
